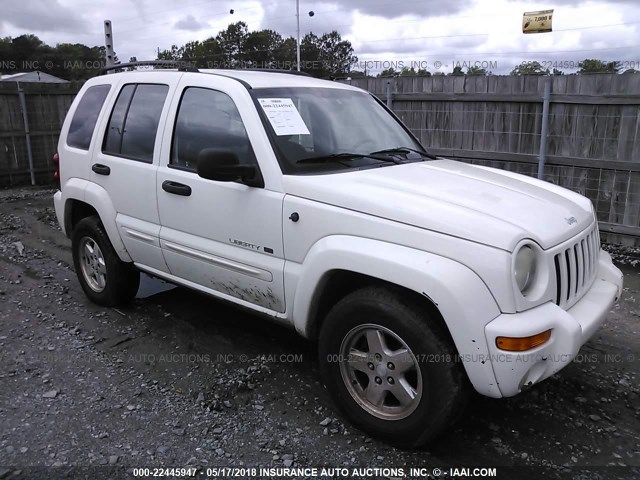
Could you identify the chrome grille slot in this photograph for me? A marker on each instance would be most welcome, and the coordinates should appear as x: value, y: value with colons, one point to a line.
x: 575, y: 267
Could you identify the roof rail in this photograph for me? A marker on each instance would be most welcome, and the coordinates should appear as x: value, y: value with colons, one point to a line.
x: 275, y: 70
x: 180, y: 65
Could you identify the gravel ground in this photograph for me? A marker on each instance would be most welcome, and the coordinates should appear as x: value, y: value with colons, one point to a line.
x: 178, y: 379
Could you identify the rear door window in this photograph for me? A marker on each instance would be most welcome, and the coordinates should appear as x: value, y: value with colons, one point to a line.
x: 133, y: 125
x: 86, y: 116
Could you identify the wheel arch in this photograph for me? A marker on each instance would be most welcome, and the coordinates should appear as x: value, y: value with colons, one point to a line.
x: 74, y: 211
x: 453, y: 293
x: 338, y: 283
x: 95, y: 201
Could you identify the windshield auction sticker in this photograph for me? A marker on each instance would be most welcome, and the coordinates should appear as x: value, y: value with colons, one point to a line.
x: 284, y: 116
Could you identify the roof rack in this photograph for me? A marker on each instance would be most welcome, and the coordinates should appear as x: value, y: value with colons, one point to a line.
x: 182, y: 66
x: 275, y: 70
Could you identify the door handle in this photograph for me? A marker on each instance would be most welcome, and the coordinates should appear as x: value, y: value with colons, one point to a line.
x: 101, y: 169
x: 176, y: 188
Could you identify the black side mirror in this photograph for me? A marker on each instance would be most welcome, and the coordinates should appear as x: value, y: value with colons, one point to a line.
x: 224, y: 166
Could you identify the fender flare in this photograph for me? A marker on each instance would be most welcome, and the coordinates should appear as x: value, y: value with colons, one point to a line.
x: 99, y: 199
x: 464, y: 301
x: 73, y: 190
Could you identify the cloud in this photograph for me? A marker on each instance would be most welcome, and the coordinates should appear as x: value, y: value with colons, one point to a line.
x: 559, y: 3
x: 189, y: 23
x: 495, y: 36
x: 35, y: 16
x: 388, y: 9
x: 445, y: 30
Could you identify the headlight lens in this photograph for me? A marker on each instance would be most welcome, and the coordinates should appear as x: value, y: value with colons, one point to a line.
x: 525, y: 268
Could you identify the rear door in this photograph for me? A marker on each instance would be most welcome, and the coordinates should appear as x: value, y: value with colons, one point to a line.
x: 127, y: 158
x: 225, y: 237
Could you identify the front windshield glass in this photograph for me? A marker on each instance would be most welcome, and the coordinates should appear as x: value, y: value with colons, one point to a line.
x: 319, y: 130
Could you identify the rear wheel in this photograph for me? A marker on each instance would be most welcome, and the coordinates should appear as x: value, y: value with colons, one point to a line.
x: 390, y: 367
x: 105, y: 279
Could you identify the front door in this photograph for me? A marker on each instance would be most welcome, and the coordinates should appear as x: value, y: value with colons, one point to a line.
x: 223, y: 236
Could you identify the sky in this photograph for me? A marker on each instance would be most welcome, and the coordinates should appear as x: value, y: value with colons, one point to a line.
x: 434, y: 34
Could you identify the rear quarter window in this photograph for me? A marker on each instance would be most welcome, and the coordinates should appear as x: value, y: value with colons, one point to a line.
x: 86, y: 116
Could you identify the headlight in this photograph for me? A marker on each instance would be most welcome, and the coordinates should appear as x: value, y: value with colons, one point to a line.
x: 525, y: 268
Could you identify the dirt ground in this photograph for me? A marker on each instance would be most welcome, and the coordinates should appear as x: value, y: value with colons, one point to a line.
x: 179, y: 379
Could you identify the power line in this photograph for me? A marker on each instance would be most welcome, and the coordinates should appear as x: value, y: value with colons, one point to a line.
x: 286, y: 35
x: 597, y: 26
x: 219, y: 14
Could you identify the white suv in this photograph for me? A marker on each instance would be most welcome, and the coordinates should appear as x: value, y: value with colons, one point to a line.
x: 310, y: 203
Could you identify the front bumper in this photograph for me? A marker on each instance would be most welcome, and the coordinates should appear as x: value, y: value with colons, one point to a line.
x: 570, y: 330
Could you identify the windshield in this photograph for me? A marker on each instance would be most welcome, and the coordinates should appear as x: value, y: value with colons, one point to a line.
x: 319, y: 130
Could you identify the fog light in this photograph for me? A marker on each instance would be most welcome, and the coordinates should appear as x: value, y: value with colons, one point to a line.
x: 521, y: 344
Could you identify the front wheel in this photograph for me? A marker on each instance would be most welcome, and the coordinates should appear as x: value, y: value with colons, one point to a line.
x: 105, y: 279
x: 390, y: 367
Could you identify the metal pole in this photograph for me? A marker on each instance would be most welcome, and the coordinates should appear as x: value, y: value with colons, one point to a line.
x: 298, y: 22
x: 545, y: 127
x: 108, y: 44
x: 389, y: 96
x: 27, y: 133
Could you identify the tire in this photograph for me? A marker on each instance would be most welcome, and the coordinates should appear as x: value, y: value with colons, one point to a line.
x: 367, y: 340
x: 105, y: 279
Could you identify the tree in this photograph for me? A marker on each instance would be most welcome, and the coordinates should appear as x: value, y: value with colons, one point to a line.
x: 476, y: 71
x: 408, y: 72
x: 411, y: 72
x: 235, y: 47
x: 66, y: 60
x: 388, y: 72
x: 232, y: 42
x: 557, y: 72
x: 598, y: 66
x: 205, y: 54
x: 74, y: 60
x: 262, y: 48
x: 286, y: 53
x: 530, y: 68
x: 336, y: 54
x: 5, y: 53
x: 174, y: 53
x: 326, y: 56
x: 457, y: 70
x: 26, y: 48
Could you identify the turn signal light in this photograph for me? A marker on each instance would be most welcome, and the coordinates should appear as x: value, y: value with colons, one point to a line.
x: 522, y: 344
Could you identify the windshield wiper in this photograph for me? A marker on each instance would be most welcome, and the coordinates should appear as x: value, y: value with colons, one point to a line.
x: 403, y: 150
x: 336, y: 157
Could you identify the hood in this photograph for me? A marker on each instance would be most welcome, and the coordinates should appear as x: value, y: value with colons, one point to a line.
x: 481, y: 204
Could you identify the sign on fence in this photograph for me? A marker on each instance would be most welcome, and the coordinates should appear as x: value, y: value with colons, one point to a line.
x: 537, y: 22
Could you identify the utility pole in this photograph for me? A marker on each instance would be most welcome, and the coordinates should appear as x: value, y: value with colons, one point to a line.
x: 108, y: 44
x: 298, y: 22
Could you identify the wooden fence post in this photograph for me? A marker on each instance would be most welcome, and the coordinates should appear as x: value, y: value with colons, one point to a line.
x: 27, y: 134
x: 544, y: 131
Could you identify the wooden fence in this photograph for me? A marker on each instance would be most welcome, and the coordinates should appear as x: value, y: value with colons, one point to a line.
x: 593, y: 130
x: 46, y: 106
x: 592, y: 141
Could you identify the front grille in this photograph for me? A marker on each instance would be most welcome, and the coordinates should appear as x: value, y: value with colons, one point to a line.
x: 576, y: 266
